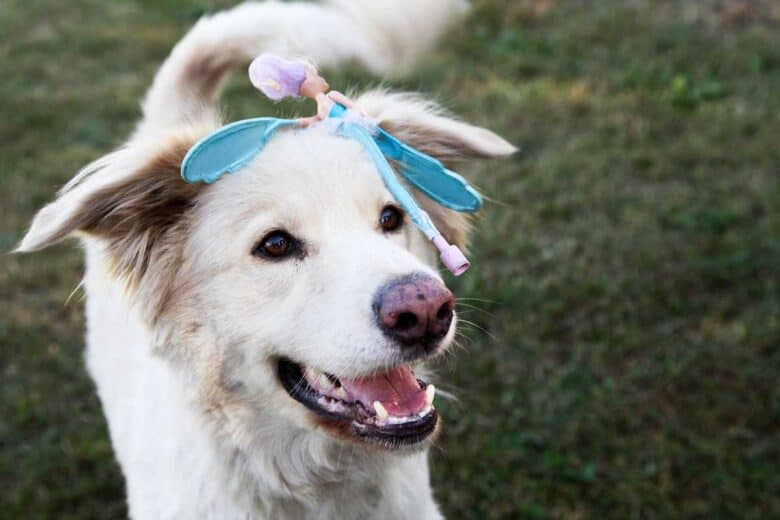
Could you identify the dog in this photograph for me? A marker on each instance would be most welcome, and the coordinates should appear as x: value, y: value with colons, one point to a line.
x: 241, y: 333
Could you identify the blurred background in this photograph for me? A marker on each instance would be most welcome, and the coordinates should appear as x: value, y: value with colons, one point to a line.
x: 621, y: 347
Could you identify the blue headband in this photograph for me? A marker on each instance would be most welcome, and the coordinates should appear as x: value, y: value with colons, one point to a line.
x: 231, y: 147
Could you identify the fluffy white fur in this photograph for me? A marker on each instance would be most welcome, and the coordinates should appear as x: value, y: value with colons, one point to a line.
x: 184, y: 323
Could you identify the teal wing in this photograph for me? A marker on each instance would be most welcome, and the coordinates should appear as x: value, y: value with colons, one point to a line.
x: 229, y: 149
x: 429, y: 175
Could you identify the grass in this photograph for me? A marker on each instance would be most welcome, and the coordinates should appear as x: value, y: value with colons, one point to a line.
x: 623, y: 355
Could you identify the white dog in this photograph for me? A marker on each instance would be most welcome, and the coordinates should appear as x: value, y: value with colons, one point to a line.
x: 253, y: 341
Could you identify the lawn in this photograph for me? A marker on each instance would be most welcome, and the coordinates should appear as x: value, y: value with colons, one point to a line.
x: 621, y: 350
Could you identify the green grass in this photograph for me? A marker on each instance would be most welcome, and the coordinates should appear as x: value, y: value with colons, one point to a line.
x: 624, y: 356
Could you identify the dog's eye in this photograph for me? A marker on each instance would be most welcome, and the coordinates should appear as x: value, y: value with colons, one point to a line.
x: 391, y: 218
x: 276, y: 244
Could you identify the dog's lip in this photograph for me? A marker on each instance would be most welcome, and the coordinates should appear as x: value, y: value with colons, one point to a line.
x: 405, y: 426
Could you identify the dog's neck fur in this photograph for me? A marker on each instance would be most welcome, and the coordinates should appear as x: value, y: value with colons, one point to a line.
x: 182, y: 461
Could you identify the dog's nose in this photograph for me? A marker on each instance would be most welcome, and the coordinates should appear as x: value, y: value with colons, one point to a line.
x: 414, y: 309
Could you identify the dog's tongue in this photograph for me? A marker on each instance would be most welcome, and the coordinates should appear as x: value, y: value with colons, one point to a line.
x: 397, y: 390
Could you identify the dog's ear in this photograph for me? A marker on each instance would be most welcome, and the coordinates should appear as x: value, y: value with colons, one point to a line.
x: 132, y: 199
x: 423, y: 125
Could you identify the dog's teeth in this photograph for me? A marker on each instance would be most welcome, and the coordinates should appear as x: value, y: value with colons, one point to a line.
x: 324, y: 381
x: 430, y: 392
x: 340, y: 393
x: 381, y: 413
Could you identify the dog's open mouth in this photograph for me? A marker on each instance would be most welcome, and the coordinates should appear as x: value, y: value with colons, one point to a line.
x: 394, y: 408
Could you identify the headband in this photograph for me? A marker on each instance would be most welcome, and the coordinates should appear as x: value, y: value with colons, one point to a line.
x: 232, y: 147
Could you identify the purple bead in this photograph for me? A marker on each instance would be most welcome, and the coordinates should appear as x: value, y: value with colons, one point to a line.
x: 276, y: 77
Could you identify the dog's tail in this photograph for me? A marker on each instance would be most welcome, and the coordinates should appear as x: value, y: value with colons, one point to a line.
x: 386, y: 36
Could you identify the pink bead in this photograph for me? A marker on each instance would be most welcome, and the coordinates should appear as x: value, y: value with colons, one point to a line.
x: 451, y: 256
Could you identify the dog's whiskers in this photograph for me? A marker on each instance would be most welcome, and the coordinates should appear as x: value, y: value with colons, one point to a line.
x: 478, y: 327
x: 75, y: 290
x: 470, y: 299
x: 475, y: 308
x: 298, y: 385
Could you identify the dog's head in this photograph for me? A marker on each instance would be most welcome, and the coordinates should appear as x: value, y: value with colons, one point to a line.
x: 295, y: 288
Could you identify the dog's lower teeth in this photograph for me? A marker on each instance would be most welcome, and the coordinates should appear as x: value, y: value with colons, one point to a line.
x: 400, y: 420
x: 381, y: 413
x: 392, y: 419
x: 384, y: 418
x: 430, y: 392
x: 333, y: 405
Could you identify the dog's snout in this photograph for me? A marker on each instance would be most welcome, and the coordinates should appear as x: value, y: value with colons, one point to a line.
x: 415, y: 309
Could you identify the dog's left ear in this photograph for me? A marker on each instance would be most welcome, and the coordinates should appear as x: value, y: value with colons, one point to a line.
x: 423, y: 125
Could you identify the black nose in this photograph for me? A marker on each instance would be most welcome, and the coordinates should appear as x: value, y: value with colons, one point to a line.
x: 415, y: 309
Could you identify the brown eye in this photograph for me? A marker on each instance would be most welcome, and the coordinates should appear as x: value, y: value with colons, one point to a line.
x: 276, y: 244
x: 391, y: 218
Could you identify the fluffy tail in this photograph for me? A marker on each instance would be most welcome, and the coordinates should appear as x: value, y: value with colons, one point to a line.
x: 385, y: 36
